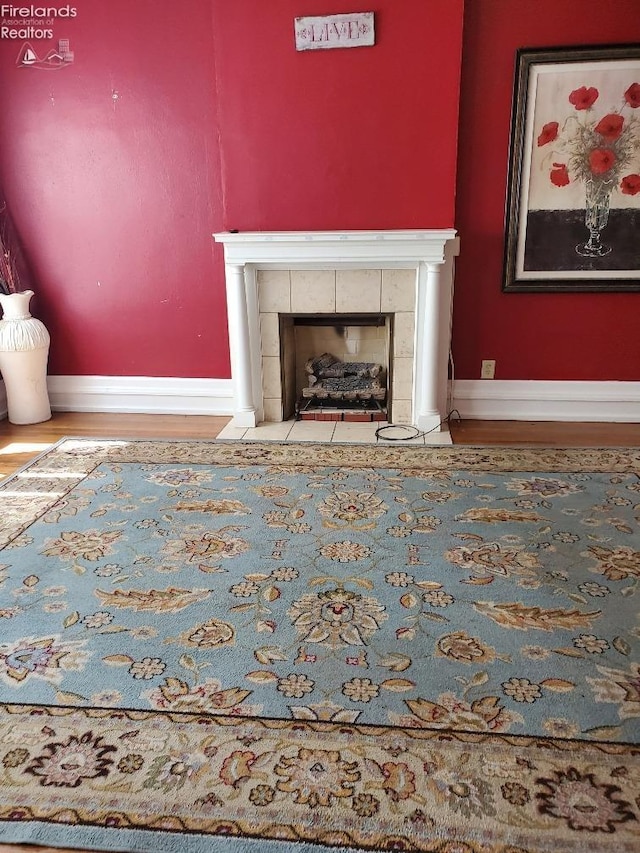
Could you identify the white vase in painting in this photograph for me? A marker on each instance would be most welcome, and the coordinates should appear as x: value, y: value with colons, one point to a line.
x: 24, y: 352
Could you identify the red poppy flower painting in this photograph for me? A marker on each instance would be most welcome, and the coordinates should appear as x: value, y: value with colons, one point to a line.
x: 548, y: 133
x: 572, y: 219
x: 632, y: 95
x: 630, y: 185
x: 584, y: 98
x: 610, y: 127
x: 559, y: 175
x: 601, y: 161
x: 593, y: 147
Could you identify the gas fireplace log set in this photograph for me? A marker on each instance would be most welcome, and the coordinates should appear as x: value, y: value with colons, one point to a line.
x: 343, y: 380
x: 336, y: 384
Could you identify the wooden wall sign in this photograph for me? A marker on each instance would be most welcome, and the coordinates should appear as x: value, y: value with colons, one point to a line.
x: 327, y: 31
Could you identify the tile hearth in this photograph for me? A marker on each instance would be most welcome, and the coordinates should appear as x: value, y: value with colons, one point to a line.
x: 339, y: 432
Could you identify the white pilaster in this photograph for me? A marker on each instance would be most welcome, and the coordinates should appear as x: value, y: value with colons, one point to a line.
x: 428, y: 414
x: 244, y: 408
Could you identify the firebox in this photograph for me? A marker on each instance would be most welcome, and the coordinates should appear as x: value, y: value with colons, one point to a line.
x: 336, y: 367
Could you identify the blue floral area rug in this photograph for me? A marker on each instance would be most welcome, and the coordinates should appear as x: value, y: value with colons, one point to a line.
x: 234, y: 647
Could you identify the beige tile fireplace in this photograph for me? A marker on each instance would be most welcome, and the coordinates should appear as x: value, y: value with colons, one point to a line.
x: 337, y: 293
x: 405, y: 275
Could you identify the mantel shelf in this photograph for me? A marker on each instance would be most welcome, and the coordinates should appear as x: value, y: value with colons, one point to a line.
x: 368, y: 248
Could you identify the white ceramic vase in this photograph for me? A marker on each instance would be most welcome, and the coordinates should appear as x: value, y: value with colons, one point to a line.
x: 24, y: 352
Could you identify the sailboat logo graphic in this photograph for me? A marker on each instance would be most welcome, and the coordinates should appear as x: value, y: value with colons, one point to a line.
x: 54, y: 59
x: 28, y: 56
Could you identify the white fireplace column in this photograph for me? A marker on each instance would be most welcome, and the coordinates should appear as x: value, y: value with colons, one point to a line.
x: 429, y: 253
x: 239, y: 345
x: 432, y: 348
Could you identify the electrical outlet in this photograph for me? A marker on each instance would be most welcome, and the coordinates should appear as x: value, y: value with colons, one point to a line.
x: 488, y: 370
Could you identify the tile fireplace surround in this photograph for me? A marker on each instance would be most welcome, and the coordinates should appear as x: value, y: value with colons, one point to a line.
x: 407, y: 274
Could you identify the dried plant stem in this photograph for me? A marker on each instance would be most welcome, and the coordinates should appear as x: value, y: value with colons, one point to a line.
x: 9, y: 276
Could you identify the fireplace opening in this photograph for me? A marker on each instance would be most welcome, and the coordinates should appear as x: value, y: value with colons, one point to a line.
x: 336, y: 367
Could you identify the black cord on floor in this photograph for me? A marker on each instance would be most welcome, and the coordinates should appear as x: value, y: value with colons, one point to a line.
x: 416, y: 432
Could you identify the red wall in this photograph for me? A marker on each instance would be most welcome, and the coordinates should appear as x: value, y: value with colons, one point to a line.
x: 115, y: 199
x: 218, y: 123
x: 336, y: 139
x: 532, y: 336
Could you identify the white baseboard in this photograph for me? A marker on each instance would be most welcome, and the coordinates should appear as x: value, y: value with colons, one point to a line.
x: 141, y: 394
x: 531, y: 400
x: 481, y: 399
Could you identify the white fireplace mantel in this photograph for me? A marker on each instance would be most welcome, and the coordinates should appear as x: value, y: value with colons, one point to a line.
x: 429, y: 252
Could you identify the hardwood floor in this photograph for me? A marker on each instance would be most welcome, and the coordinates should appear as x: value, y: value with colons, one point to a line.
x: 546, y: 433
x: 19, y: 444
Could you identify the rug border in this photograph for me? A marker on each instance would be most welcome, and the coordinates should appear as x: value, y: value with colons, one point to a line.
x: 310, y: 445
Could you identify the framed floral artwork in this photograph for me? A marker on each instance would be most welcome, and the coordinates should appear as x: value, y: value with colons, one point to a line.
x: 573, y: 196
